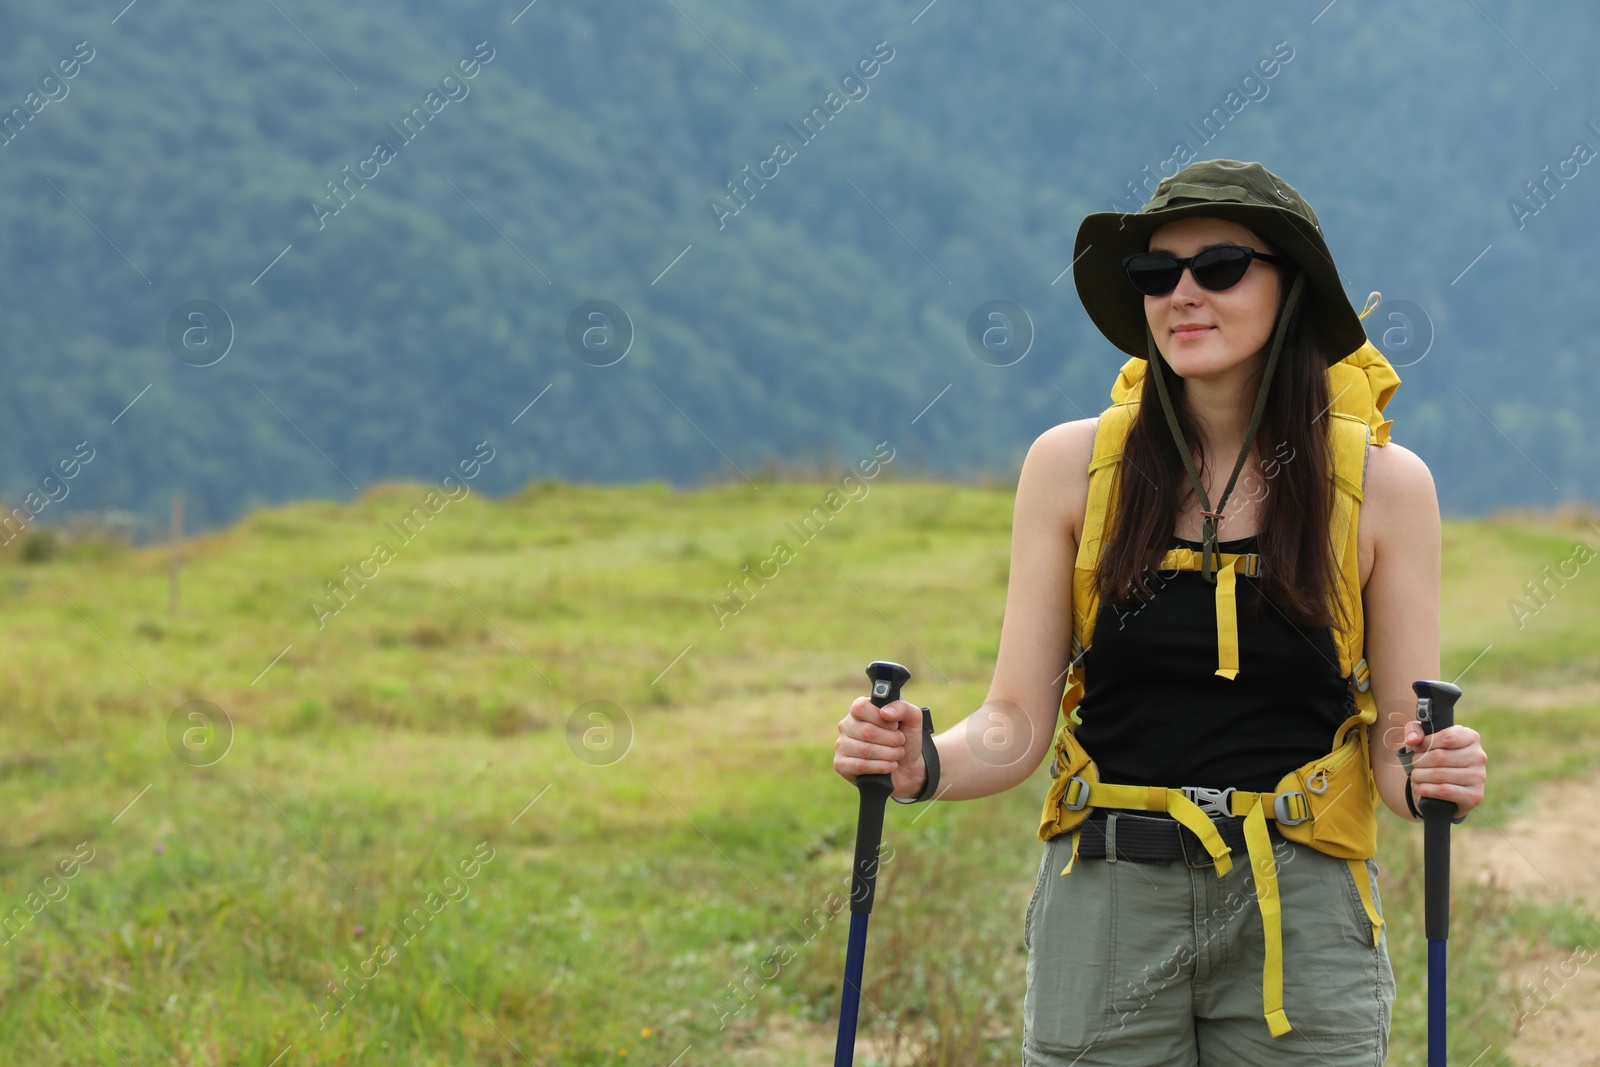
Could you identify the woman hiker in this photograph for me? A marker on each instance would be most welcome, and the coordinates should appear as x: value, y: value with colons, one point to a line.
x: 1207, y: 893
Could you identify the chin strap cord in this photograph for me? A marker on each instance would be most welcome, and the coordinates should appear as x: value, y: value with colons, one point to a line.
x: 1209, y: 552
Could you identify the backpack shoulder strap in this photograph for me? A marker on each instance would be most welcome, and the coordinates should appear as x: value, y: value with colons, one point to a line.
x: 1360, y: 385
x: 1348, y: 438
x: 1111, y: 430
x: 1104, y: 472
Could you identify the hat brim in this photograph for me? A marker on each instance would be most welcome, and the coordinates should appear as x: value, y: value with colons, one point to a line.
x: 1106, y: 238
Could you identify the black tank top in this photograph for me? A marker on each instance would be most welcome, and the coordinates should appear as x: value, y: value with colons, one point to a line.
x: 1155, y: 713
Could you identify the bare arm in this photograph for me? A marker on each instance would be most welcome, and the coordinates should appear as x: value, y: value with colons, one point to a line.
x: 1401, y: 600
x: 999, y: 745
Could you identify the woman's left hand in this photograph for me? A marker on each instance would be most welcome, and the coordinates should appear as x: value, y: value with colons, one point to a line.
x: 1449, y: 765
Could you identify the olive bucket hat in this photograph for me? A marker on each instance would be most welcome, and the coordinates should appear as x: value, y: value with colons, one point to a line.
x: 1246, y: 193
x: 1254, y: 197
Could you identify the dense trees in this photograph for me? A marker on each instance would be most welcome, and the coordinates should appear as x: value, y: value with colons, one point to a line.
x: 203, y: 152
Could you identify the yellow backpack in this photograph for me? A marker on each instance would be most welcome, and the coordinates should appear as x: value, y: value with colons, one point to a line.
x: 1329, y: 803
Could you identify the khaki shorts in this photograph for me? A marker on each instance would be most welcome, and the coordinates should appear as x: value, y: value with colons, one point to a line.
x: 1160, y: 964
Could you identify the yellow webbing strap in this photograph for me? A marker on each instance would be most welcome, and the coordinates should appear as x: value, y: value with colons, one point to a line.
x: 1188, y: 812
x: 1074, y: 858
x: 1174, y: 803
x: 1259, y: 845
x: 1227, y: 626
x: 1228, y: 566
x: 1358, y: 868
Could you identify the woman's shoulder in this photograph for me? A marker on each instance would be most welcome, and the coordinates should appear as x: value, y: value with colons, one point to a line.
x: 1399, y: 538
x: 1056, y: 470
x: 1397, y: 480
x: 1065, y: 449
x: 1399, y: 503
x: 1070, y: 439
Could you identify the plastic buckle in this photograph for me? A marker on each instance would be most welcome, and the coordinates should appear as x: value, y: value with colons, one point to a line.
x: 1280, y: 809
x: 1214, y: 802
x: 1361, y: 675
x: 1083, y: 794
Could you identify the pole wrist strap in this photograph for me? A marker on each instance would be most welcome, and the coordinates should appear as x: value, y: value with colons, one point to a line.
x: 1412, y: 804
x: 930, y: 760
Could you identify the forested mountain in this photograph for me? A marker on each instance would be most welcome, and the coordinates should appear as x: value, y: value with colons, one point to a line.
x: 399, y: 206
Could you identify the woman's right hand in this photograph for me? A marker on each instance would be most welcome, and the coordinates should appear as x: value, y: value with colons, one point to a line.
x: 886, y: 740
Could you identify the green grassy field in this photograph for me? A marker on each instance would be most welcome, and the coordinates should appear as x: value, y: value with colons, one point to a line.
x: 415, y: 803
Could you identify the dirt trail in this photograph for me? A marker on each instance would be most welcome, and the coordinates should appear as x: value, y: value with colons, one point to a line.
x: 1553, y: 854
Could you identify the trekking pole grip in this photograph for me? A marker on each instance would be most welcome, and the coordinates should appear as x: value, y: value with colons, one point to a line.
x: 1436, y: 710
x: 886, y: 678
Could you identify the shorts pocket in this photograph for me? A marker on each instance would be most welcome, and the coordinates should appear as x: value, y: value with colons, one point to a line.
x: 1333, y: 976
x: 1358, y: 910
x: 1071, y: 952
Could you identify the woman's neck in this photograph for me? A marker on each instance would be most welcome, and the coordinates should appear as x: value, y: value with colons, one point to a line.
x: 1221, y: 407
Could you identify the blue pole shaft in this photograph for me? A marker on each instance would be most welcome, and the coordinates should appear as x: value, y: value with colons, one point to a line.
x: 844, y: 1052
x: 1436, y: 1014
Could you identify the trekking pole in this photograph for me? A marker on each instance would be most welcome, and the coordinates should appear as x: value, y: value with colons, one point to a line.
x: 887, y: 678
x: 1436, y: 710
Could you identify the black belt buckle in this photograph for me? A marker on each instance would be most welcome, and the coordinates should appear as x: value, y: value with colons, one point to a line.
x: 1194, y: 851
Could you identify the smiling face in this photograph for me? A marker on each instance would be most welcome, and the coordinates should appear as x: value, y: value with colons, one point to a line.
x: 1207, y: 334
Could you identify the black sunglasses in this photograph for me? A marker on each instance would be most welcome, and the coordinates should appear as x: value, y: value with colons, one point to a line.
x: 1219, y: 268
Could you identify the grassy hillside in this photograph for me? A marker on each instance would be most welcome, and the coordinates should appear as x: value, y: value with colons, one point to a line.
x: 623, y: 887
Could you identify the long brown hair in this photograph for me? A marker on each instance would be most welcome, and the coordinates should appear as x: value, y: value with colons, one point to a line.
x: 1298, y: 567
